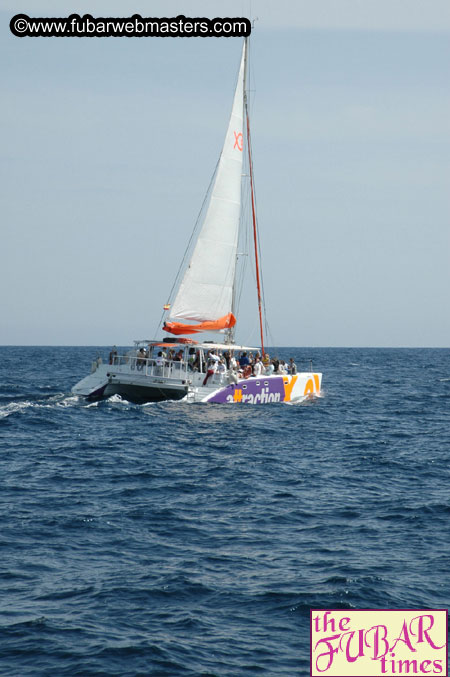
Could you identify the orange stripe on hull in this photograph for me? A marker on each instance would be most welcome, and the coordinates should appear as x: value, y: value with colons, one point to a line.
x: 313, y: 385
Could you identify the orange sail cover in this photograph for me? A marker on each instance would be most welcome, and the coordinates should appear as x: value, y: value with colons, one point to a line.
x: 225, y: 322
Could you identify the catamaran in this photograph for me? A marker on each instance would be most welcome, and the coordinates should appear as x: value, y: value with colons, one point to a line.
x: 205, y: 300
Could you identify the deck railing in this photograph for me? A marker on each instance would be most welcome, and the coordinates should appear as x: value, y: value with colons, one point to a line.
x: 152, y: 366
x: 162, y: 368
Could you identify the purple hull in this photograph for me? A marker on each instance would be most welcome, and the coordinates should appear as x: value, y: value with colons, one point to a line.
x: 252, y: 391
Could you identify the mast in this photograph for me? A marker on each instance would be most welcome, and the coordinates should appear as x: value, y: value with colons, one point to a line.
x: 230, y: 332
x: 255, y: 233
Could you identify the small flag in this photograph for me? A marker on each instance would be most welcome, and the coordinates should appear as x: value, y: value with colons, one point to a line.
x: 167, y: 306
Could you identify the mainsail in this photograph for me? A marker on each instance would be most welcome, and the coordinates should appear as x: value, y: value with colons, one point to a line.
x: 206, y: 291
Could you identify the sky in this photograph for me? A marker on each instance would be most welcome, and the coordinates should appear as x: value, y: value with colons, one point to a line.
x: 108, y: 145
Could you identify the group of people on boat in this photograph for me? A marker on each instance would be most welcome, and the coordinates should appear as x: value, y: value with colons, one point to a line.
x: 210, y: 362
x: 160, y: 358
x: 246, y: 365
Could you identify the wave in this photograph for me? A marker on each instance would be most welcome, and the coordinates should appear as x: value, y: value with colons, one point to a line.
x: 60, y: 401
x: 305, y: 399
x: 117, y: 399
x: 15, y: 408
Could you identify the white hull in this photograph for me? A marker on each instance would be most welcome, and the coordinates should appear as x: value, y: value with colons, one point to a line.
x: 155, y: 384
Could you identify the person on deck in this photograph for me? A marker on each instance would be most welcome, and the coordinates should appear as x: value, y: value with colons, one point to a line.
x: 159, y: 362
x: 221, y: 368
x: 243, y: 360
x: 292, y: 366
x: 258, y: 367
x: 140, y: 361
x: 213, y: 361
x: 191, y: 359
x: 196, y: 365
x: 233, y: 363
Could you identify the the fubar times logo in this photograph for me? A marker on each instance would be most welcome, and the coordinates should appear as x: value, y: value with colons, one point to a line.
x: 378, y: 642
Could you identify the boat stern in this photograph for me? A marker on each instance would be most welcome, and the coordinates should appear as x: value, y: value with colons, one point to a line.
x: 92, y: 386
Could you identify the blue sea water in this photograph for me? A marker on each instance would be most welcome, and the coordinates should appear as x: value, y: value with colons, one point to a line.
x: 190, y: 539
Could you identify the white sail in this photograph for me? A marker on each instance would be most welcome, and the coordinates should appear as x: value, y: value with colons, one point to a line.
x: 206, y: 291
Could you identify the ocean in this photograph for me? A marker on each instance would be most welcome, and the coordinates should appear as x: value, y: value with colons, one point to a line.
x: 193, y: 540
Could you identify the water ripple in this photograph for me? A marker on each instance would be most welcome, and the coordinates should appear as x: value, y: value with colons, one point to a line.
x: 179, y: 539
